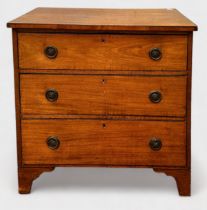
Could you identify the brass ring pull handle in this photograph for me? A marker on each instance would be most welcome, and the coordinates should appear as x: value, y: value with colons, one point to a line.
x: 51, y: 52
x: 155, y: 54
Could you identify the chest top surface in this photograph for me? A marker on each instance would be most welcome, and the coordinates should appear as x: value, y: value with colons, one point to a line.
x: 104, y: 19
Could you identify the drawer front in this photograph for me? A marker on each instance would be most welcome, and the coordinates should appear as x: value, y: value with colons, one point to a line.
x: 103, y: 95
x: 102, y: 52
x: 103, y: 142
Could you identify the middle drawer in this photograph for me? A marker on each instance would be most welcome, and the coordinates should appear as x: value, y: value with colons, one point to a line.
x: 103, y: 95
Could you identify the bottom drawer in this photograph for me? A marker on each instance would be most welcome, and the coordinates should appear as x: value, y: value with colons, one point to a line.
x: 106, y: 142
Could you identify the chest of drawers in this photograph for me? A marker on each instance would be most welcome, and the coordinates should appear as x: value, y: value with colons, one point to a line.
x: 103, y: 87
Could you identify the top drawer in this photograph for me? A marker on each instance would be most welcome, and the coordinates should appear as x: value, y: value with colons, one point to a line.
x: 102, y: 51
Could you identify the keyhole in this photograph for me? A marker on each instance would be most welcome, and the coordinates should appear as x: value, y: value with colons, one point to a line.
x: 103, y: 125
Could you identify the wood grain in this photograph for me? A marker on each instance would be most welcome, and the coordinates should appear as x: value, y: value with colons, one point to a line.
x: 103, y: 74
x: 104, y: 142
x: 17, y: 96
x: 104, y: 117
x: 105, y: 19
x: 188, y: 100
x: 102, y: 52
x: 27, y: 175
x: 103, y: 95
x: 182, y: 178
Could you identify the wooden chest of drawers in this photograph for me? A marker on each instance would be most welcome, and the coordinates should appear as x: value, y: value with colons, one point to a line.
x: 103, y: 87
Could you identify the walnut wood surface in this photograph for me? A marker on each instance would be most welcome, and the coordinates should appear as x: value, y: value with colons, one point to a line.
x: 103, y: 95
x: 105, y: 19
x: 102, y: 52
x: 28, y: 175
x: 104, y: 142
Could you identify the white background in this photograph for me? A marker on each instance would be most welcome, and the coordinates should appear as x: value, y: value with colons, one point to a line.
x: 100, y: 188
